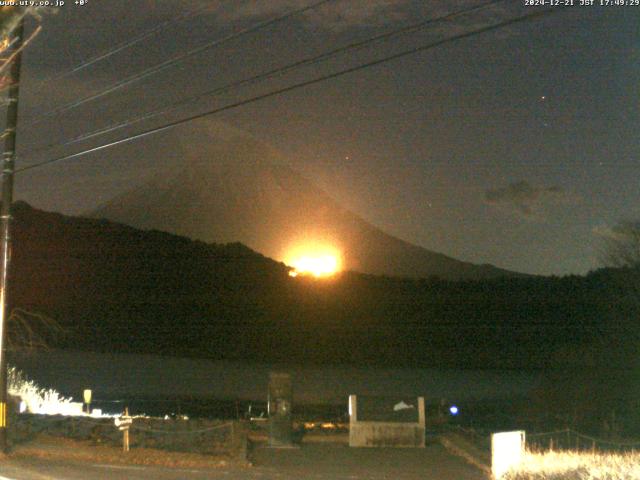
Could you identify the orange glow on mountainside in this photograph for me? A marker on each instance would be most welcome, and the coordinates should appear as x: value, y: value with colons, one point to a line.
x: 315, y: 261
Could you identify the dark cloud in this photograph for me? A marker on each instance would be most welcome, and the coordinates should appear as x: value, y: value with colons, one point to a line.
x: 526, y: 199
x: 624, y: 231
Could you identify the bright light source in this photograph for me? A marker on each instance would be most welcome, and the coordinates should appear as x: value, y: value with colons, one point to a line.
x: 319, y: 261
x: 321, y: 266
x: 507, y: 451
x: 453, y: 410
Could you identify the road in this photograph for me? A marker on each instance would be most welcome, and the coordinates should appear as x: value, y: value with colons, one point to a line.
x: 313, y: 461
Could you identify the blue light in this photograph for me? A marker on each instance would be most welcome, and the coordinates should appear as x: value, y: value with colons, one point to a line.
x: 453, y: 410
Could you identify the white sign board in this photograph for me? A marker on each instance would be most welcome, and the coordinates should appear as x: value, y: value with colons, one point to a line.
x: 507, y: 451
x: 123, y: 422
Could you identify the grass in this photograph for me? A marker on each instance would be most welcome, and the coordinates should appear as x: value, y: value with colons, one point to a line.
x: 50, y: 447
x: 577, y: 466
x: 37, y: 399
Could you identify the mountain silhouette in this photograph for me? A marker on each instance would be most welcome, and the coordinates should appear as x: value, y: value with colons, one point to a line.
x: 115, y: 288
x: 234, y: 188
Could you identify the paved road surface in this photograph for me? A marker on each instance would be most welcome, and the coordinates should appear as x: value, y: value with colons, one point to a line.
x: 312, y: 461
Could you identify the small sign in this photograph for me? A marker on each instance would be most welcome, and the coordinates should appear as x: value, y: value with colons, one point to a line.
x: 123, y: 422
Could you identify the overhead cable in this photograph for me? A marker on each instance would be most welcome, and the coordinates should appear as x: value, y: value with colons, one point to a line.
x: 296, y: 86
x: 169, y: 63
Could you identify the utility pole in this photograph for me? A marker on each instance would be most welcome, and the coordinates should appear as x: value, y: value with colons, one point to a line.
x: 8, y: 167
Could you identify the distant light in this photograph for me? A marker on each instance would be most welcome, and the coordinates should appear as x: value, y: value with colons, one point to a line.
x: 453, y: 410
x: 319, y: 266
x: 315, y: 260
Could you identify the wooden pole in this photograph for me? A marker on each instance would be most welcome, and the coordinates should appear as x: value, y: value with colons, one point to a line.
x: 125, y: 433
x: 8, y: 167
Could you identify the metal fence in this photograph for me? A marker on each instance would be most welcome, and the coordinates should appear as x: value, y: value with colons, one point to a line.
x: 565, y: 439
x: 568, y: 439
x: 181, y: 435
x: 185, y: 435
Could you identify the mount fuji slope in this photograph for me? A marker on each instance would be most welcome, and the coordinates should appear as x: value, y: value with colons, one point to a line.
x: 238, y: 189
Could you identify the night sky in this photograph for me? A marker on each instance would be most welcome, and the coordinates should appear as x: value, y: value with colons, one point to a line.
x: 518, y: 147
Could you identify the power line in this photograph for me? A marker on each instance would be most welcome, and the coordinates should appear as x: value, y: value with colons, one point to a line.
x: 122, y: 46
x: 269, y: 74
x: 290, y: 88
x: 168, y: 63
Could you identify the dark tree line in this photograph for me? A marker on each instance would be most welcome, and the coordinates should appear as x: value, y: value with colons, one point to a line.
x: 117, y: 289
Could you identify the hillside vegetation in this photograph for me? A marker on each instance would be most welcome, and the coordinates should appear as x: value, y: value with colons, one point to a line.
x: 116, y: 288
